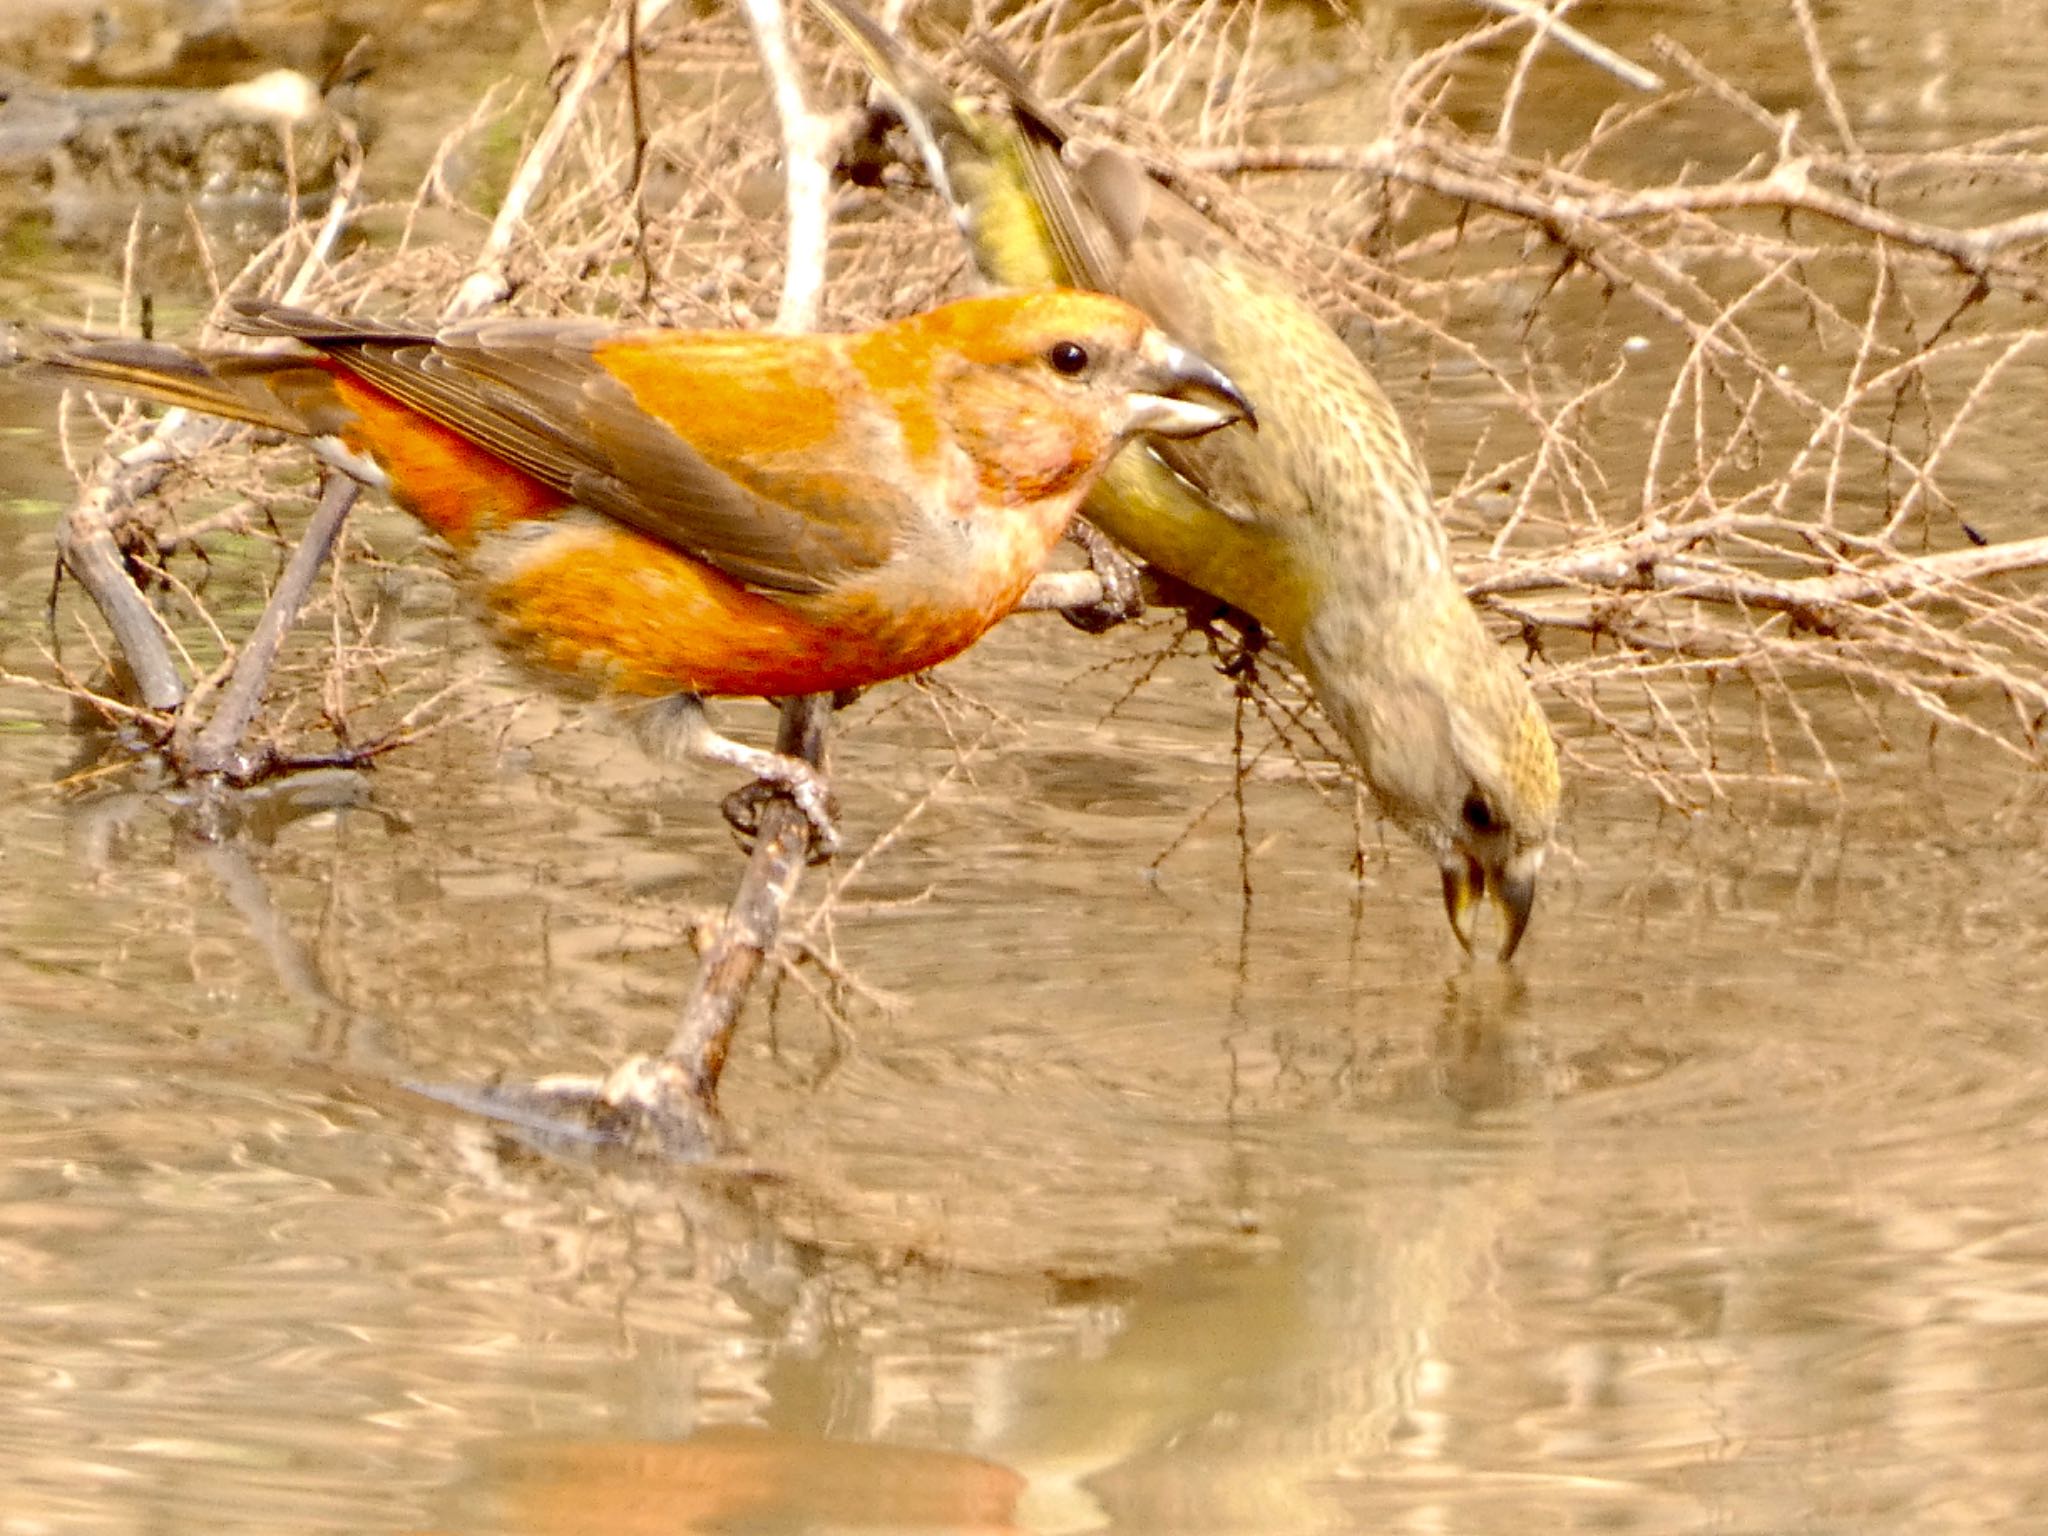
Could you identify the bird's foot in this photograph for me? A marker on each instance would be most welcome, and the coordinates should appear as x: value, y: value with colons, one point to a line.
x: 801, y: 784
x: 682, y: 723
x: 1123, y: 593
x: 1237, y: 655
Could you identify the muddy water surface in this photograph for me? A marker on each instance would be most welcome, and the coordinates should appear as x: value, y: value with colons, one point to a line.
x: 1118, y: 1205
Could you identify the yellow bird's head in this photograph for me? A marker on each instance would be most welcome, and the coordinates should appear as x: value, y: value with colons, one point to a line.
x: 1453, y: 746
x: 1502, y: 829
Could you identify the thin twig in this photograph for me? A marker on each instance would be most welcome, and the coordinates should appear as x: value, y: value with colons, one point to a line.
x: 216, y: 751
x: 489, y: 282
x: 1556, y: 29
x: 636, y: 180
x: 1423, y: 160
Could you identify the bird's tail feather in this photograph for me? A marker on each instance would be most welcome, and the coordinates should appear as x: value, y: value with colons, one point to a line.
x: 975, y: 162
x: 237, y: 386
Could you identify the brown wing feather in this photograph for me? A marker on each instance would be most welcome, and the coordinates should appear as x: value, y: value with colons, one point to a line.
x: 531, y: 392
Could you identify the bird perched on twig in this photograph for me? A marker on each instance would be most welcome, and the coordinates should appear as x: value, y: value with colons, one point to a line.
x: 1320, y: 527
x: 672, y: 514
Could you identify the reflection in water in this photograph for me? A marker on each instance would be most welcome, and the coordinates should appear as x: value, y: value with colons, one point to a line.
x: 1484, y: 1068
x: 740, y: 1479
x: 1718, y: 1211
x: 1369, y: 1240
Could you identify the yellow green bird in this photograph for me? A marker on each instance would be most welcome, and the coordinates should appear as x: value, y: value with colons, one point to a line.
x: 1319, y: 525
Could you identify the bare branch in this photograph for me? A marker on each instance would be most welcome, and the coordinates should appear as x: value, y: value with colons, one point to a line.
x: 1552, y: 27
x: 216, y: 751
x: 489, y: 282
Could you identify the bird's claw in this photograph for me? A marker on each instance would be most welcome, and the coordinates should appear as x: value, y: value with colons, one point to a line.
x: 1123, y: 593
x: 1237, y: 657
x: 810, y: 794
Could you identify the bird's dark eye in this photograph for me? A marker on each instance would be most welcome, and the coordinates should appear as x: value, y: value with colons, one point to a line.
x: 1477, y: 813
x: 1068, y: 357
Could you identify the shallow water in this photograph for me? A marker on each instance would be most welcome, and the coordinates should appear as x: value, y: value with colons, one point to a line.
x: 1139, y: 1208
x: 1721, y: 1213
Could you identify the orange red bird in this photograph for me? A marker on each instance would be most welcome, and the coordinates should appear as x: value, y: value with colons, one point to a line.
x: 672, y: 514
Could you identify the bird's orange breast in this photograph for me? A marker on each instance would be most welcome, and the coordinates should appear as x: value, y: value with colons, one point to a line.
x: 628, y: 614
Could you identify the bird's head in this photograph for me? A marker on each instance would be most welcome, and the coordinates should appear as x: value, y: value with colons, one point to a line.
x: 1045, y: 385
x: 1462, y: 758
x: 1495, y: 845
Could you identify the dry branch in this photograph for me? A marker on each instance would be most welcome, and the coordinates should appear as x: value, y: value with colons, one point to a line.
x: 1748, y: 489
x: 215, y: 750
x: 678, y: 1090
x: 1549, y: 25
x: 488, y: 282
x: 90, y: 550
x: 88, y: 544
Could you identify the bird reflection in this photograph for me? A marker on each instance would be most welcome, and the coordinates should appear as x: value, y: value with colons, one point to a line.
x: 1483, y: 1054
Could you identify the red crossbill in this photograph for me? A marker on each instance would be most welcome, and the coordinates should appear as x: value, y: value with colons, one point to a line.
x: 1320, y: 527
x: 674, y: 514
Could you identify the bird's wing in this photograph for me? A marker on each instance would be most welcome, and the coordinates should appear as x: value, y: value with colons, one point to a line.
x: 536, y: 394
x: 972, y: 158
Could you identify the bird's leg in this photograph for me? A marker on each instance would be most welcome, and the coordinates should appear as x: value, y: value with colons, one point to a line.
x: 1237, y: 654
x: 1123, y: 594
x: 1234, y: 637
x: 688, y: 730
